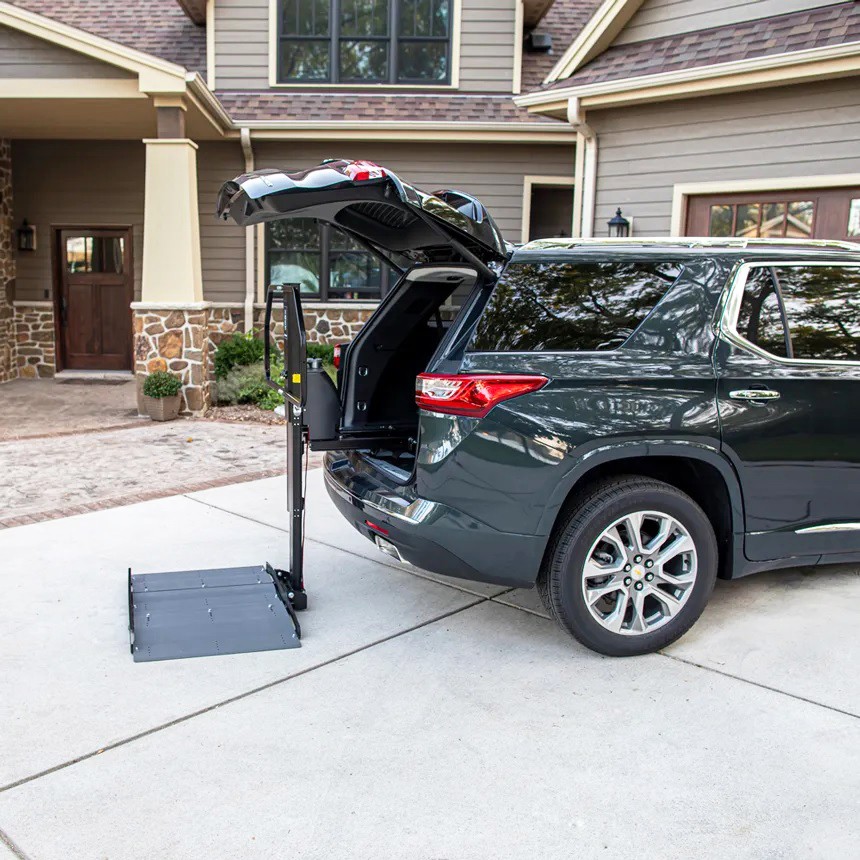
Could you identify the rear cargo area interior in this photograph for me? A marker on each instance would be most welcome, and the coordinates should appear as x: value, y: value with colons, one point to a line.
x: 397, y: 343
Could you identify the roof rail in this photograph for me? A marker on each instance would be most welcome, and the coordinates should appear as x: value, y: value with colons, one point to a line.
x: 696, y: 242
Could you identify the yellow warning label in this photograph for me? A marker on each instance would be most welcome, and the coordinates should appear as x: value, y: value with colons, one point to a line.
x: 297, y: 377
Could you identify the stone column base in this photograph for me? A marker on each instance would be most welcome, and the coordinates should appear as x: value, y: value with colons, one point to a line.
x: 35, y: 340
x: 175, y: 339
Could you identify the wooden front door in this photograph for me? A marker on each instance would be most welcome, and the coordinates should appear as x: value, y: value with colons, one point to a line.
x: 824, y: 213
x: 94, y: 294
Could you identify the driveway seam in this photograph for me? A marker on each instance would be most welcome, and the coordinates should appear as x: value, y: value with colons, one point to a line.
x: 238, y: 697
x: 510, y: 605
x: 6, y: 839
x: 760, y: 685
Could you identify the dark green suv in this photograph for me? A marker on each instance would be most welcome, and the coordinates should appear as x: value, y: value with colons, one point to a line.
x: 616, y: 422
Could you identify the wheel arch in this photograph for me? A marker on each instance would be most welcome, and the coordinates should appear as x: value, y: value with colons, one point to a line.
x: 694, y: 468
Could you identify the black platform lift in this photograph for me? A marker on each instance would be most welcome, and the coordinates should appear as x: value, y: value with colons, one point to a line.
x: 197, y: 613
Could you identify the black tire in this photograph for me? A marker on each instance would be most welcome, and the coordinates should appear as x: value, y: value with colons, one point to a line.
x: 559, y: 583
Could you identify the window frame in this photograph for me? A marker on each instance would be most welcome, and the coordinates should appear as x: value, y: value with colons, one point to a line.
x: 325, y: 250
x: 728, y: 315
x: 334, y: 38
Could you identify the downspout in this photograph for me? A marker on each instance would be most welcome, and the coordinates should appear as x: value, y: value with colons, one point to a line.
x: 588, y: 181
x: 250, y: 291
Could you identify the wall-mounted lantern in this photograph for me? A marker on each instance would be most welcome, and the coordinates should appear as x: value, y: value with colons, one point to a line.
x: 619, y: 226
x: 26, y: 237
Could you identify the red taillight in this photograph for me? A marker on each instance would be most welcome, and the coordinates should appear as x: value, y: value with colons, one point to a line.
x: 473, y: 395
x: 336, y: 359
x: 361, y: 171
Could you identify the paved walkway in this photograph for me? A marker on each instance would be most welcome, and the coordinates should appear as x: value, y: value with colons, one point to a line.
x: 422, y: 717
x: 40, y: 407
x: 56, y: 458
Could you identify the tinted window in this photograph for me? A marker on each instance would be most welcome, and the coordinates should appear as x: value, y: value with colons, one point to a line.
x: 760, y: 317
x: 822, y: 305
x: 564, y: 306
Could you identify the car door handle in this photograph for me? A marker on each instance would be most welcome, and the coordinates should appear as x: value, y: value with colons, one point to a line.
x: 754, y: 394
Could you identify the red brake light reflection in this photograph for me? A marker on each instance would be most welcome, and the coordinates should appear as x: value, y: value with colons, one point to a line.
x: 472, y: 395
x: 336, y: 359
x: 361, y: 171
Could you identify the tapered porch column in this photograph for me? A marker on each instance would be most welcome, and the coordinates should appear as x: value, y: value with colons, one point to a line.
x: 171, y: 319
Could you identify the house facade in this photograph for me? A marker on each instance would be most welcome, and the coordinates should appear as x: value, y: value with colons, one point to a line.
x: 120, y: 120
x: 713, y: 117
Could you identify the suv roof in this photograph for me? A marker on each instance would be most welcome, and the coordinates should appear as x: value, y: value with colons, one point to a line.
x: 692, y: 245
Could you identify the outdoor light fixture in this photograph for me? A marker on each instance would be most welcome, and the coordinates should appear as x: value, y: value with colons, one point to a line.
x: 26, y: 237
x: 619, y: 226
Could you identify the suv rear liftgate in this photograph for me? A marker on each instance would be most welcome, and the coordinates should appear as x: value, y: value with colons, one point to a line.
x: 438, y: 244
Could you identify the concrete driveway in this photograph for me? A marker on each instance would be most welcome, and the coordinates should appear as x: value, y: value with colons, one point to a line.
x: 422, y: 718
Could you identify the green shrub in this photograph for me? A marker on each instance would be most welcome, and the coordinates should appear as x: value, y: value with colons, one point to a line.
x: 161, y: 384
x: 240, y: 350
x: 325, y: 351
x: 248, y: 385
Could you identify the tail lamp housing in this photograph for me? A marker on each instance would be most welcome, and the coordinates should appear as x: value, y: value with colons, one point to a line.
x: 474, y: 394
x: 336, y: 359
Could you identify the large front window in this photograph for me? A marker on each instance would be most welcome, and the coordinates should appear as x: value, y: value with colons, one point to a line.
x: 325, y: 262
x: 364, y: 41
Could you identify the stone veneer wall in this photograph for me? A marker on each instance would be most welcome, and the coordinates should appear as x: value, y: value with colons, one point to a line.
x: 174, y: 339
x: 36, y: 340
x: 322, y: 324
x: 8, y: 362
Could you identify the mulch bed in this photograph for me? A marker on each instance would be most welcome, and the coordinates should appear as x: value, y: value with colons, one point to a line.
x: 245, y: 413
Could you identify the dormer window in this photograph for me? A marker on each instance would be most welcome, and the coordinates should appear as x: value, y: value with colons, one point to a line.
x: 364, y: 41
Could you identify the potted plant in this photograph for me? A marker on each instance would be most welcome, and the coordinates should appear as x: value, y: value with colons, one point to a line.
x: 161, y: 395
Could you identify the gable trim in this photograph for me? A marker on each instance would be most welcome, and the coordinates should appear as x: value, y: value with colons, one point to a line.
x: 759, y: 72
x: 597, y: 35
x: 155, y: 75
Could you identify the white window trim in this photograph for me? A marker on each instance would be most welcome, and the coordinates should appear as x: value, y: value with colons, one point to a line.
x: 528, y: 183
x: 456, y: 15
x: 681, y: 193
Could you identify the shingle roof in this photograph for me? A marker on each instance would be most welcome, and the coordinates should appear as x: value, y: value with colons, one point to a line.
x: 798, y: 31
x: 388, y: 107
x: 564, y: 22
x: 157, y: 27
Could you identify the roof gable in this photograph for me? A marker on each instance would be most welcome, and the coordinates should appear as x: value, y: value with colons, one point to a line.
x: 156, y: 27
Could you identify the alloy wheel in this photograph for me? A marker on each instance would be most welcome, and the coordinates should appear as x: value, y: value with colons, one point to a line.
x: 639, y: 573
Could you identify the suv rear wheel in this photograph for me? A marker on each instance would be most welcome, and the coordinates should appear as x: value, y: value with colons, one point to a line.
x: 631, y: 568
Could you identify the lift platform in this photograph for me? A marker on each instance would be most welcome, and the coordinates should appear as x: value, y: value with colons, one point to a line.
x: 232, y: 610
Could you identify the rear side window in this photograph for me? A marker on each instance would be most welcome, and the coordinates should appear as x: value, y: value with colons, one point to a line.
x: 760, y: 318
x: 810, y: 312
x: 571, y: 307
x: 822, y: 306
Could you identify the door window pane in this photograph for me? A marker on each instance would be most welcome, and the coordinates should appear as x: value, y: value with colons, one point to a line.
x: 822, y: 305
x: 760, y: 317
x: 854, y: 218
x: 772, y: 219
x: 720, y: 223
x: 747, y: 223
x: 563, y: 306
x: 95, y: 254
x: 800, y: 215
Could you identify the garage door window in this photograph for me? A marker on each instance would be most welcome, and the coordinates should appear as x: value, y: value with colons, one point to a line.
x: 784, y: 219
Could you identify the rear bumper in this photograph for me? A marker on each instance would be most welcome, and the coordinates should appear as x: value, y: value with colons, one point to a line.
x: 429, y: 534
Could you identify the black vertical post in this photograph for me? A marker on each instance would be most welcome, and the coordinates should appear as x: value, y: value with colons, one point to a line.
x: 295, y: 373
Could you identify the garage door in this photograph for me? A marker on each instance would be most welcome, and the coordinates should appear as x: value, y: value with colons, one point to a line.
x: 826, y: 213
